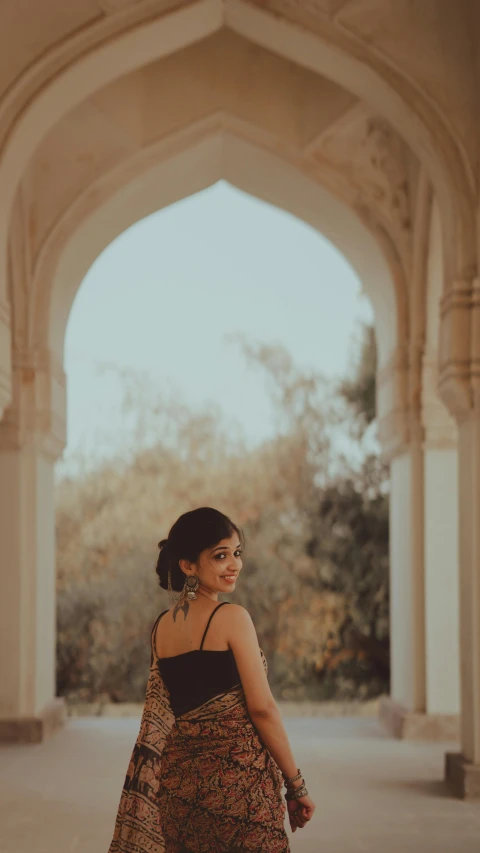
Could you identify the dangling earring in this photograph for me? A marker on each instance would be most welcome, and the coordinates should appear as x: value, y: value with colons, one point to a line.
x: 192, y: 582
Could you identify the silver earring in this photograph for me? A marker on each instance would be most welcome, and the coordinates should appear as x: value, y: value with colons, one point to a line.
x: 192, y: 583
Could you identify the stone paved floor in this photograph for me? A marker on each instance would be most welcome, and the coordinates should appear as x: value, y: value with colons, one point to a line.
x: 372, y: 793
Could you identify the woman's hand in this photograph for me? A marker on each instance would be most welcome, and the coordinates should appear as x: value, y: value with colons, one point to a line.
x: 300, y: 812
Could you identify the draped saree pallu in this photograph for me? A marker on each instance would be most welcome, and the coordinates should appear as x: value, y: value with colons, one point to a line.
x: 202, y: 782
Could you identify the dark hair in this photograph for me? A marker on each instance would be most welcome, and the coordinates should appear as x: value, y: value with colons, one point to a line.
x: 193, y: 532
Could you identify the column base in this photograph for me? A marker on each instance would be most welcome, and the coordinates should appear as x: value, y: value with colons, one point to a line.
x: 462, y: 777
x: 34, y: 729
x: 401, y: 723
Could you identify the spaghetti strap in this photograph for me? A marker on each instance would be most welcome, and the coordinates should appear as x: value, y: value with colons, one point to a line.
x: 154, y: 634
x: 210, y: 619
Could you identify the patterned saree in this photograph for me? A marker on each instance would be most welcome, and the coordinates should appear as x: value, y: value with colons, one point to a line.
x: 200, y: 783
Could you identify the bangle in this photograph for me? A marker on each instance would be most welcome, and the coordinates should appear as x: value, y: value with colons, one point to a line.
x: 296, y: 793
x: 292, y: 778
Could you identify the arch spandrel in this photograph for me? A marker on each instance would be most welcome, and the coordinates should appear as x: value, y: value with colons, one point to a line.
x: 107, y: 211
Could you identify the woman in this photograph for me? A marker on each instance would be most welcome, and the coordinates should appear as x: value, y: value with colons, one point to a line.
x: 206, y: 770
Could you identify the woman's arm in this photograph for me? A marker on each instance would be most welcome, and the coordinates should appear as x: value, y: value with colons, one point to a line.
x: 242, y: 639
x: 263, y: 710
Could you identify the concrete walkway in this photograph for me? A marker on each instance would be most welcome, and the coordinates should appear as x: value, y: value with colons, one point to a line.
x: 372, y: 793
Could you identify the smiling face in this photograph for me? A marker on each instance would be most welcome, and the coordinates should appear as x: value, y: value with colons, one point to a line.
x: 217, y: 567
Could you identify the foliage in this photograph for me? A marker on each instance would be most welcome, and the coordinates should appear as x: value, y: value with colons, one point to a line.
x: 316, y: 523
x: 360, y: 391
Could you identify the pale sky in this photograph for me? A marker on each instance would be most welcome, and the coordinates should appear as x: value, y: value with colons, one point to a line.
x: 169, y: 294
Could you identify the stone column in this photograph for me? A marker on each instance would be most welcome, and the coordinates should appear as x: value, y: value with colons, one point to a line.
x: 421, y: 447
x: 441, y: 504
x: 402, y: 446
x: 441, y: 557
x: 407, y: 614
x: 460, y: 388
x: 31, y: 438
x: 463, y: 768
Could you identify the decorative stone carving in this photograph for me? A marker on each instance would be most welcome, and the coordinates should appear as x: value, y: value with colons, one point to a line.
x: 455, y: 385
x: 381, y: 164
x: 367, y: 148
x: 439, y: 425
x: 37, y: 412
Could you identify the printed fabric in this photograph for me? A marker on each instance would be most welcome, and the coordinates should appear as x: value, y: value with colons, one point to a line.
x: 200, y: 783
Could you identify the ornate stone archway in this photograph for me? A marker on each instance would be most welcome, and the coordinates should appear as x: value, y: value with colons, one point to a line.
x: 390, y: 134
x: 329, y: 38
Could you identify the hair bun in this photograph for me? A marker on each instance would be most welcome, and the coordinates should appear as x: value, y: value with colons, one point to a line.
x: 164, y: 562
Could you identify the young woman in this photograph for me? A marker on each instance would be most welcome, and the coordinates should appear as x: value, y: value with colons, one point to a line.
x: 212, y: 753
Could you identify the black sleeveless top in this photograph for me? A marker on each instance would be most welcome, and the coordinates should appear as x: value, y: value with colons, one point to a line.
x: 194, y: 677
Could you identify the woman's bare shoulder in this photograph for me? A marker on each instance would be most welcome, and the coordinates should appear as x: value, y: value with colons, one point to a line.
x: 236, y: 612
x: 238, y: 622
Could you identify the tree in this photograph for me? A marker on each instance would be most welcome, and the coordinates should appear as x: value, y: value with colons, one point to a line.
x: 360, y: 391
x: 315, y: 517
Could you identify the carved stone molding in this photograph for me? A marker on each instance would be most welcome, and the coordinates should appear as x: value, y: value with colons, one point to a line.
x: 14, y: 435
x: 367, y: 149
x: 381, y: 162
x: 36, y: 415
x: 457, y: 368
x: 403, y: 418
x: 440, y: 428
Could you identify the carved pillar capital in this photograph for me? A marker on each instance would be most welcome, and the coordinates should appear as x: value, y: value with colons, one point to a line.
x: 409, y: 409
x: 395, y: 424
x: 459, y: 347
x: 36, y: 415
x: 440, y: 429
